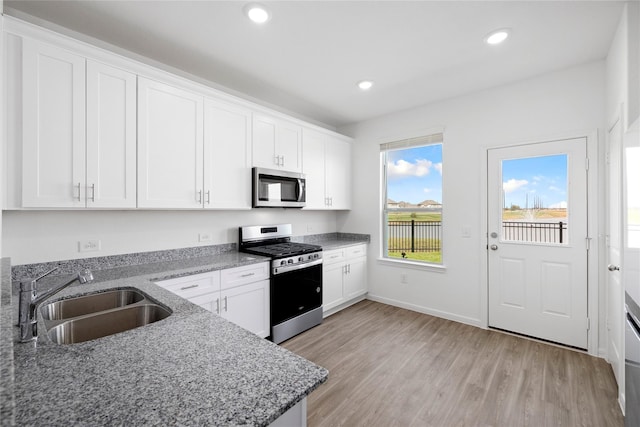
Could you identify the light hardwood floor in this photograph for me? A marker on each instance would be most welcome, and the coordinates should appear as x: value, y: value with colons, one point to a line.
x: 394, y: 367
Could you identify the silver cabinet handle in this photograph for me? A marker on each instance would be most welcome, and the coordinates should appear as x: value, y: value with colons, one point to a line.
x: 277, y: 160
x: 225, y: 304
x: 612, y: 267
x: 79, y: 199
x: 93, y: 193
x: 217, y: 305
x: 349, y: 267
x: 199, y: 199
x: 494, y: 247
x: 189, y: 287
x: 282, y: 161
x: 208, y: 198
x: 248, y: 275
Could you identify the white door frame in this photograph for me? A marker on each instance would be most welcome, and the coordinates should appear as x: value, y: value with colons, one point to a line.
x: 595, y: 230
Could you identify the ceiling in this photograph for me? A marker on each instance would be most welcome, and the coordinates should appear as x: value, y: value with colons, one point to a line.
x: 308, y: 58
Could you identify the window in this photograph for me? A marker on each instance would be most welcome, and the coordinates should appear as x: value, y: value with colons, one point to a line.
x: 412, y: 199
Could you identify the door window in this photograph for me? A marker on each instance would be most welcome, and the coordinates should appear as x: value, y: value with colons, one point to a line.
x: 534, y: 200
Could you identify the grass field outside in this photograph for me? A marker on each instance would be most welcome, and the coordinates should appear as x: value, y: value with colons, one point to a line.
x: 533, y: 214
x: 432, y: 257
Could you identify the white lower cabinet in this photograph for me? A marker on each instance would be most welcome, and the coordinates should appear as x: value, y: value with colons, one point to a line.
x: 240, y: 295
x: 344, y: 277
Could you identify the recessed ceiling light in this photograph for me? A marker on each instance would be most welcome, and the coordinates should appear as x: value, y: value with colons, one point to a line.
x: 365, y: 84
x: 257, y: 13
x: 497, y: 37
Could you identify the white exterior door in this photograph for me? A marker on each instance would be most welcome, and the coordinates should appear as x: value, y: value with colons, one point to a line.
x: 170, y: 146
x: 615, y: 292
x: 537, y: 244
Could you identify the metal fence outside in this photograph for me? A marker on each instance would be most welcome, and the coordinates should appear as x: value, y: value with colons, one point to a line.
x: 414, y: 236
x: 425, y: 236
x: 537, y: 232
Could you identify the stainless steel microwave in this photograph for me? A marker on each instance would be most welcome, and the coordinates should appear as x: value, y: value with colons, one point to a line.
x: 278, y: 189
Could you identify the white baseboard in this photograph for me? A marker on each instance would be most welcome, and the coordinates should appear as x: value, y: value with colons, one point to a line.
x: 437, y: 313
x: 344, y: 305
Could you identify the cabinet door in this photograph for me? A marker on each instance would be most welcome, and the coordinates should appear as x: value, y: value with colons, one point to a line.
x: 248, y: 306
x: 170, y: 146
x: 264, y: 142
x: 338, y: 174
x: 227, y: 156
x: 355, y: 281
x: 313, y: 147
x: 111, y: 137
x: 289, y: 146
x: 277, y: 144
x: 53, y: 157
x: 332, y: 286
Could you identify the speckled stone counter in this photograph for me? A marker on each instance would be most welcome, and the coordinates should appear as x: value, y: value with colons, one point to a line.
x: 331, y: 241
x: 192, y: 368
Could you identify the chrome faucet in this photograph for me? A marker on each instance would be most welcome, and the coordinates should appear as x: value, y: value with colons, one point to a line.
x: 30, y: 300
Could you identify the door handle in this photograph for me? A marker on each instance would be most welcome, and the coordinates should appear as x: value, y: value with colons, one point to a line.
x: 612, y: 267
x: 494, y: 247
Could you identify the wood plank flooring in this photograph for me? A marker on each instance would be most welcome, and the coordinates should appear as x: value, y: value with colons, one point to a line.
x: 394, y: 367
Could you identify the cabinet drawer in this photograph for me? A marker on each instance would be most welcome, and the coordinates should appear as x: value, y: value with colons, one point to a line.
x: 333, y: 256
x: 356, y: 251
x: 246, y: 274
x: 192, y: 286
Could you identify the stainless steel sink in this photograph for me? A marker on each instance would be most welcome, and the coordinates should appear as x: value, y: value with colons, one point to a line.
x: 100, y: 314
x: 92, y: 303
x: 106, y: 323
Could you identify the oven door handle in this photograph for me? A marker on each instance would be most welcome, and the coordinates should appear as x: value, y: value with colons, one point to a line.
x: 288, y: 268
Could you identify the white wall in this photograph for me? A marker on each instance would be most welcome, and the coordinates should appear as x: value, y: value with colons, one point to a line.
x: 560, y: 103
x: 38, y: 236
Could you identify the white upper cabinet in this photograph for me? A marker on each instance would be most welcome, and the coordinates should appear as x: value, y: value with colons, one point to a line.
x: 53, y: 149
x: 86, y: 128
x: 227, y: 156
x: 170, y: 146
x: 314, y: 168
x: 277, y: 144
x: 327, y: 166
x: 111, y: 137
x: 337, y: 158
x: 79, y: 137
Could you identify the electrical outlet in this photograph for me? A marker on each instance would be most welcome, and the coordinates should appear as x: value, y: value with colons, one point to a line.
x: 403, y: 278
x: 466, y: 231
x: 88, y: 245
x: 204, y: 237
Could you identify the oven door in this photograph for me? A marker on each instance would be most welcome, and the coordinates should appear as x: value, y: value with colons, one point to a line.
x: 295, y: 292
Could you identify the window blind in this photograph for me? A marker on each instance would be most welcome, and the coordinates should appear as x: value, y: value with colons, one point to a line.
x: 418, y: 141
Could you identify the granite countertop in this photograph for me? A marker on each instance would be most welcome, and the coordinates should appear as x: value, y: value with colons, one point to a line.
x: 192, y: 368
x: 332, y: 241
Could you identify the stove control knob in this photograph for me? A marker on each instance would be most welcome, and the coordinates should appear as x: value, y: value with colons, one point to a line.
x: 300, y: 259
x: 290, y: 261
x: 283, y: 262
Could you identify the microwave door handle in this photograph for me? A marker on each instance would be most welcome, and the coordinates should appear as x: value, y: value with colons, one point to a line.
x: 299, y: 189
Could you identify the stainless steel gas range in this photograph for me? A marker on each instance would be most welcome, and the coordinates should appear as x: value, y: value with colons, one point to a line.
x: 296, y: 278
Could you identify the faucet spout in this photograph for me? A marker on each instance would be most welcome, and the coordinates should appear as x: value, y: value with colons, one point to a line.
x: 30, y: 299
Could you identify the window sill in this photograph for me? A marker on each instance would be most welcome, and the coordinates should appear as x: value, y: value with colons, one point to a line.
x: 413, y: 265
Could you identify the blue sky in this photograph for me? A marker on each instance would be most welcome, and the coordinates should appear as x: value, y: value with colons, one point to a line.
x: 415, y: 174
x: 544, y: 178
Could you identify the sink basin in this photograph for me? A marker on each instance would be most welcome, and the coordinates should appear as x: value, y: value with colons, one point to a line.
x: 99, y: 314
x: 92, y: 303
x: 106, y: 323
